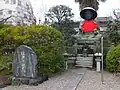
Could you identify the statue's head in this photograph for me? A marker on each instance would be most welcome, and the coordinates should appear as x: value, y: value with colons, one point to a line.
x: 88, y: 13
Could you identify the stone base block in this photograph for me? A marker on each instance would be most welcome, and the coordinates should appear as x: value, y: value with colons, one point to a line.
x: 28, y: 81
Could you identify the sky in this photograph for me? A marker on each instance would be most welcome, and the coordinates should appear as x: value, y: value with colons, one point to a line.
x: 42, y: 6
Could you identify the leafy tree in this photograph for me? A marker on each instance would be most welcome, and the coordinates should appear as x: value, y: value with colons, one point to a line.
x: 89, y: 3
x: 67, y: 29
x: 4, y: 26
x: 113, y: 32
x: 61, y: 17
x: 59, y: 13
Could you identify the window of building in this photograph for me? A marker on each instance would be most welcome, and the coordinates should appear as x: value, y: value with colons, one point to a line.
x: 19, y: 3
x: 25, y: 16
x: 13, y: 1
x: 30, y: 18
x: 9, y: 22
x: 1, y: 13
x: 6, y: 1
x: 18, y: 12
x: 9, y: 12
x: 27, y: 6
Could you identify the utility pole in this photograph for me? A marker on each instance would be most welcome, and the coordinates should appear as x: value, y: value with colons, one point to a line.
x: 102, y: 79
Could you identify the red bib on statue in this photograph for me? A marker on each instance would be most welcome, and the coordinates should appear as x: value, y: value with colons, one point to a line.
x: 89, y: 26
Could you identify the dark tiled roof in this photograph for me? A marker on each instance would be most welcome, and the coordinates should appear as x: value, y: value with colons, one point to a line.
x: 103, y: 19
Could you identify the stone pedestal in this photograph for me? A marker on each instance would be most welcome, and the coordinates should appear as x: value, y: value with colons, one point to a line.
x: 26, y: 81
x: 98, y: 65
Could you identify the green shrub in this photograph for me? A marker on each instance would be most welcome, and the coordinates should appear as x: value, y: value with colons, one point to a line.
x: 46, y: 41
x: 71, y: 50
x: 3, y: 26
x: 49, y: 49
x: 112, y: 58
x: 5, y: 64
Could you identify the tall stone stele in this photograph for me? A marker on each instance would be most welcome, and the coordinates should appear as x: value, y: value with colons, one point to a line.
x: 25, y: 66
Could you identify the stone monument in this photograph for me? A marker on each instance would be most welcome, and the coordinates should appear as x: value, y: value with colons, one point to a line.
x: 25, y: 66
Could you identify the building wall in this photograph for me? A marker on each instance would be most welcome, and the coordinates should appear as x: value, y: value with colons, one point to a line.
x: 20, y: 10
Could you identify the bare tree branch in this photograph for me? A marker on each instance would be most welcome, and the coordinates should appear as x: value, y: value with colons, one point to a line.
x: 3, y: 9
x: 14, y: 17
x: 4, y: 20
x: 115, y: 14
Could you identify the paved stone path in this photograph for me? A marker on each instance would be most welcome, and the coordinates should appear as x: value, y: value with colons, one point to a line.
x: 75, y: 79
x: 66, y: 81
x: 92, y: 81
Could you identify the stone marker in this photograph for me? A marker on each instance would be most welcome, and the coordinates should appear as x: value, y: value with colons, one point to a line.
x: 25, y: 66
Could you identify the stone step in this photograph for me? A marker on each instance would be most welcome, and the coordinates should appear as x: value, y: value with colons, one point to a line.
x: 70, y: 61
x: 84, y: 58
x: 89, y: 55
x: 84, y: 66
x: 79, y: 55
x: 84, y: 61
x: 71, y: 58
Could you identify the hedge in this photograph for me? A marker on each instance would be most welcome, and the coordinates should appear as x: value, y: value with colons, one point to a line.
x: 112, y: 58
x: 46, y: 41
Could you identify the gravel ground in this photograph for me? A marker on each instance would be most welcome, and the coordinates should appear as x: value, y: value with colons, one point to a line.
x: 66, y: 81
x: 92, y: 81
x: 75, y: 79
